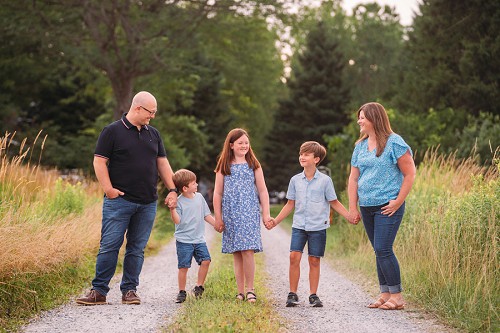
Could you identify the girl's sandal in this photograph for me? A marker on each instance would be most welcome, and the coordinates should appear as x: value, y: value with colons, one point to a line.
x: 376, y: 304
x: 392, y: 305
x: 251, y: 297
x: 240, y: 297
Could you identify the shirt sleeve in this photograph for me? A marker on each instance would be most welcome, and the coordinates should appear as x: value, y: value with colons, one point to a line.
x: 330, y: 190
x: 161, y: 148
x: 206, y: 209
x: 354, y: 158
x: 398, y: 148
x: 179, y: 209
x: 290, y: 194
x: 104, y: 147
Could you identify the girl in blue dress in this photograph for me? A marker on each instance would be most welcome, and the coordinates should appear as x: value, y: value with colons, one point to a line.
x: 382, y: 174
x: 239, y: 189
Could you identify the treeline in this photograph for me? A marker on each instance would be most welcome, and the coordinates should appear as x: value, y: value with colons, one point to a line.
x: 287, y: 74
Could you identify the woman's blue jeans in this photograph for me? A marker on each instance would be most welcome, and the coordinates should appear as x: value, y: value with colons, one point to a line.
x: 381, y: 230
x: 119, y: 218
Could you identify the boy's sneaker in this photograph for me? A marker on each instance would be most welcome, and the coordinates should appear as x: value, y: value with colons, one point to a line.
x: 315, y: 301
x: 198, y: 291
x: 181, y: 296
x: 292, y: 300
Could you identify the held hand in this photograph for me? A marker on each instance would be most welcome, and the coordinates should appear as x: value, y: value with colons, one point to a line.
x: 354, y: 217
x: 171, y: 200
x: 391, y: 208
x: 219, y: 226
x: 270, y: 223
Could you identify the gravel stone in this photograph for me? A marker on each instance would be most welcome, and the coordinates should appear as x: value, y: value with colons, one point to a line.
x: 344, y: 301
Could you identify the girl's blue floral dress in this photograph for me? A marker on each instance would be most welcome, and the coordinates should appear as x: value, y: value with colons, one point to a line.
x: 240, y: 211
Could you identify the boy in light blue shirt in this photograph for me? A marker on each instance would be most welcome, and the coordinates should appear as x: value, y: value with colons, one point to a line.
x: 189, y: 217
x: 311, y: 194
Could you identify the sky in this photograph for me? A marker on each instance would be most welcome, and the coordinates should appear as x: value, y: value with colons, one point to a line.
x: 404, y: 8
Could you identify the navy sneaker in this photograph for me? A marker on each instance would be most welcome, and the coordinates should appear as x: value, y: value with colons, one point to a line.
x: 292, y: 300
x: 181, y: 296
x: 315, y: 301
x: 198, y: 291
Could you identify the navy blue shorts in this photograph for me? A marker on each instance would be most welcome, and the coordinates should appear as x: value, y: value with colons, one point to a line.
x: 316, y: 242
x: 186, y: 252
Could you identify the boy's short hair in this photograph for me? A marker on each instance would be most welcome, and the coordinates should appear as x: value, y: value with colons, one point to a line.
x: 312, y: 147
x: 183, y: 177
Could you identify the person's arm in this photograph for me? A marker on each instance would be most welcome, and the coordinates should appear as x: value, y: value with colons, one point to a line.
x: 352, y: 191
x: 217, y: 201
x: 102, y: 174
x: 175, y: 215
x: 285, y: 211
x: 210, y: 220
x: 339, y: 208
x: 263, y: 194
x: 407, y: 167
x: 166, y: 173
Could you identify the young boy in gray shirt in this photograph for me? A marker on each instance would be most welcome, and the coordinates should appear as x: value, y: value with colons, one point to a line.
x: 189, y: 217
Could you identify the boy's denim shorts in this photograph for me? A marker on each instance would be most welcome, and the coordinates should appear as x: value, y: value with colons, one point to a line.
x: 186, y: 252
x: 316, y: 242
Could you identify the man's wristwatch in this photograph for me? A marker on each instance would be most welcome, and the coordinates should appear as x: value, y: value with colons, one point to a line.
x: 172, y: 190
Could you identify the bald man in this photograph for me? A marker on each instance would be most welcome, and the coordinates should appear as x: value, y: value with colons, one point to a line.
x: 128, y: 159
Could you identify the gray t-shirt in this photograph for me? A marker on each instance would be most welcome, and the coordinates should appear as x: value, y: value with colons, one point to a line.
x: 192, y: 212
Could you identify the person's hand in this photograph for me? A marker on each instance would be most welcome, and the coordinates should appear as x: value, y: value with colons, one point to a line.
x: 113, y: 193
x: 171, y: 200
x: 219, y: 226
x: 270, y: 223
x: 391, y: 208
x: 354, y: 217
x: 170, y: 205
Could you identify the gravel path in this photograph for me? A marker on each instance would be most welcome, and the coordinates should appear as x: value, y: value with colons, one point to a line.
x: 344, y: 302
x: 157, y: 290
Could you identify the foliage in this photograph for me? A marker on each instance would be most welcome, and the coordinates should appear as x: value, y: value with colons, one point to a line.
x: 452, y: 58
x: 315, y: 107
x: 374, y: 52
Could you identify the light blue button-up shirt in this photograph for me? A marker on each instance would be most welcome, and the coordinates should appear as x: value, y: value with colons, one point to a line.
x: 312, y: 201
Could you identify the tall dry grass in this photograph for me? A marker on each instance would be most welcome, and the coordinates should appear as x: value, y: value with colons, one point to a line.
x: 43, y: 221
x: 48, y: 229
x: 447, y: 245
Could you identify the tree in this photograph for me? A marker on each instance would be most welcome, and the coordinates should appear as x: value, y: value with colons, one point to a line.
x: 453, y: 57
x: 129, y: 39
x: 208, y: 105
x: 374, y: 53
x: 315, y: 108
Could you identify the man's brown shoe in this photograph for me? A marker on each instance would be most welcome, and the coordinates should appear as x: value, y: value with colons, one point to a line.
x: 130, y: 297
x: 92, y: 298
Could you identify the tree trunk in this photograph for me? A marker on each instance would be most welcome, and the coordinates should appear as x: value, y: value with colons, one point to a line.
x: 122, y: 90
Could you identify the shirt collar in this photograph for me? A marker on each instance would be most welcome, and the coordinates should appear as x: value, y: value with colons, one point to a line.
x: 315, y: 174
x: 128, y: 124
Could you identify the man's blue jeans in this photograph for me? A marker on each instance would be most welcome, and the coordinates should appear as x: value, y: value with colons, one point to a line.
x: 120, y: 216
x: 381, y: 230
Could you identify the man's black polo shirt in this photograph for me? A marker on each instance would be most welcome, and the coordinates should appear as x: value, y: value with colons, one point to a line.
x: 132, y: 158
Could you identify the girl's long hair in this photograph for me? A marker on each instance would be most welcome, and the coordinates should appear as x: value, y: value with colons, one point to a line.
x: 226, y: 156
x: 376, y: 114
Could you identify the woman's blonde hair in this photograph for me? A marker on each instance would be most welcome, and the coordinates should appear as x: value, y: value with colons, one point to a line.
x: 376, y: 114
x: 227, y: 154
